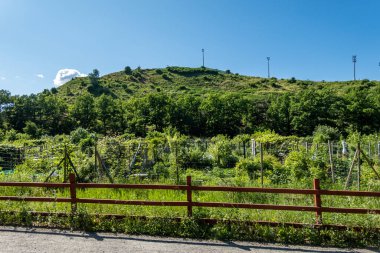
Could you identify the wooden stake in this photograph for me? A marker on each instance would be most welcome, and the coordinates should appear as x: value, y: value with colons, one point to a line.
x: 253, y: 147
x: 261, y: 164
x: 359, y: 169
x: 350, y: 171
x: 65, y: 165
x: 369, y: 149
x: 370, y: 164
x: 331, y: 161
x: 95, y: 158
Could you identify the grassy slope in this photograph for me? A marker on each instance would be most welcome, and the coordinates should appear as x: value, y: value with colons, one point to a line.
x: 196, y: 81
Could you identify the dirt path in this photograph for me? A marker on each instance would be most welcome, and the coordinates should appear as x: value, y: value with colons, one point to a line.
x: 22, y: 240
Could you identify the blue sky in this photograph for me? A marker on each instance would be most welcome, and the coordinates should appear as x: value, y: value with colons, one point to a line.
x: 306, y: 39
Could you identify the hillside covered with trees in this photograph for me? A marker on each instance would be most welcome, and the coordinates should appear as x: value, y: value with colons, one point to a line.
x: 198, y: 102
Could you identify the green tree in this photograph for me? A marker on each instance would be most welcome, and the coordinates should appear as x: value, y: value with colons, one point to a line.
x: 222, y: 114
x: 110, y: 115
x: 185, y: 115
x: 279, y: 117
x: 32, y: 129
x: 94, y: 77
x: 363, y: 112
x: 128, y: 70
x: 83, y: 111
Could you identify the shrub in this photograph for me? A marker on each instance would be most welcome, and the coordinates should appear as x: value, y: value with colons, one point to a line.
x: 322, y: 134
x: 292, y: 80
x: 252, y: 168
x: 196, y: 158
x: 221, y: 152
x: 79, y: 134
x: 166, y: 77
x: 297, y: 163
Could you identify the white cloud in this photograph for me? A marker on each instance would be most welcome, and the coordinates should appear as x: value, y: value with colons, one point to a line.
x: 40, y: 76
x: 65, y: 75
x: 2, y: 78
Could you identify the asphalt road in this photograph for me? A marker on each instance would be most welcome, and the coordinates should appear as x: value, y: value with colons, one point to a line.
x: 20, y: 240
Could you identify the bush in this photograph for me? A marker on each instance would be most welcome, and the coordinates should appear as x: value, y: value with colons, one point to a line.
x: 297, y: 163
x: 79, y: 134
x: 221, y: 152
x: 166, y: 77
x: 322, y: 134
x: 292, y: 80
x: 252, y: 168
x: 197, y: 159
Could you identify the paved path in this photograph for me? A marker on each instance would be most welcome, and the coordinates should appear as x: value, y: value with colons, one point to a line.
x: 22, y: 240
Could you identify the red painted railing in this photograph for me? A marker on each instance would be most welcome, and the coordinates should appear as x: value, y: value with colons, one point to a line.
x: 189, y: 203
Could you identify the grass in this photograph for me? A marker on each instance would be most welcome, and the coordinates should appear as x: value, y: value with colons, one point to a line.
x: 197, y: 81
x: 161, y: 220
x: 200, y: 212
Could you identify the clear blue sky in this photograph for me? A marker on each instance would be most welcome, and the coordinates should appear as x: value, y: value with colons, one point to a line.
x: 307, y: 39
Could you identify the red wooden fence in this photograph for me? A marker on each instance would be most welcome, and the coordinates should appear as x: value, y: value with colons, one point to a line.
x: 189, y: 188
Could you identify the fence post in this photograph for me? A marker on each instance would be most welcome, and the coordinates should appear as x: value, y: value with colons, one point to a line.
x: 189, y: 197
x: 73, y: 193
x: 317, y: 201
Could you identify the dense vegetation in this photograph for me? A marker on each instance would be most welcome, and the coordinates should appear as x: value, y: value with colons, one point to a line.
x: 197, y: 102
x: 159, y: 125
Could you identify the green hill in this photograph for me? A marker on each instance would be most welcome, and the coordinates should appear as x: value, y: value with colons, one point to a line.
x: 195, y: 101
x: 195, y: 81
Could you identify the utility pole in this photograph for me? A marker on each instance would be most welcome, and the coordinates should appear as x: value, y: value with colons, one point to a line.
x: 203, y: 58
x: 268, y: 59
x: 354, y: 61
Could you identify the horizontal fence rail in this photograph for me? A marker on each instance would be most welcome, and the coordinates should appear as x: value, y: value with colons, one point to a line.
x: 189, y: 203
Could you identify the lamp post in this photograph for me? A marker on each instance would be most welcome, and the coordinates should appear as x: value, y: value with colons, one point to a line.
x: 203, y: 58
x: 354, y: 61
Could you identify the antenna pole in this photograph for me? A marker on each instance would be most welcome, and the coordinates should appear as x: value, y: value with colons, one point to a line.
x: 268, y: 59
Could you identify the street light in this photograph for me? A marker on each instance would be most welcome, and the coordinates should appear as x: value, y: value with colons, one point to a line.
x: 354, y: 61
x: 203, y: 57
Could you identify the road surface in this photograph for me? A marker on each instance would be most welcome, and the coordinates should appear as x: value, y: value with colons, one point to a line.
x: 23, y: 240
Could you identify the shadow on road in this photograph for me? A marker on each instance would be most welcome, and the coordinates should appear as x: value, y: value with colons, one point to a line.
x: 226, y: 244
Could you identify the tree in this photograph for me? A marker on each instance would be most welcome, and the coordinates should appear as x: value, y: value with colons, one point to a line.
x: 5, y: 101
x: 109, y: 113
x: 32, y: 129
x: 84, y: 112
x: 185, y: 115
x: 222, y: 114
x: 363, y: 112
x: 128, y: 70
x: 94, y: 77
x: 279, y: 118
x: 24, y: 109
x: 52, y: 115
x: 310, y: 108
